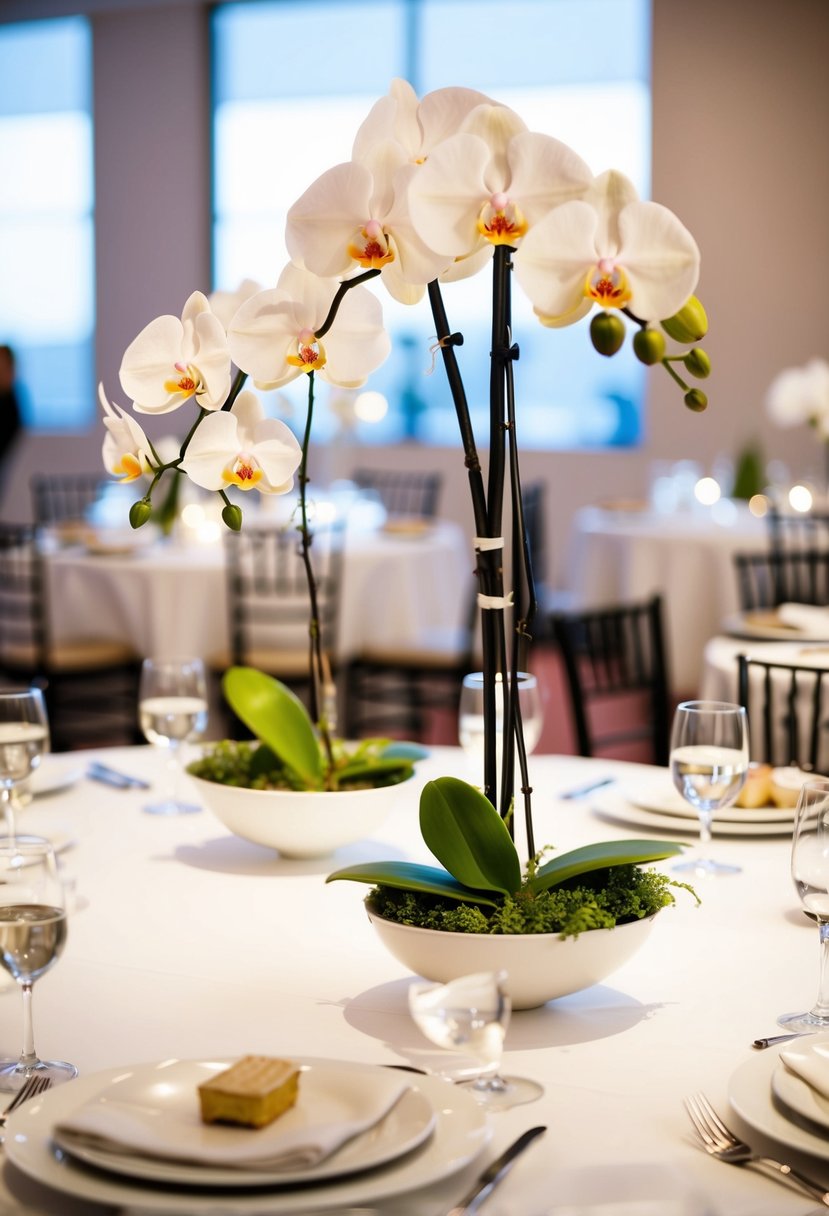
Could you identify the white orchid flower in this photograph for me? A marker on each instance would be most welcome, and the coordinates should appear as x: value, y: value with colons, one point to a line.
x: 489, y: 184
x: 272, y: 336
x: 801, y: 394
x: 417, y: 125
x: 173, y: 360
x: 126, y: 450
x: 225, y: 304
x: 609, y: 249
x: 242, y: 447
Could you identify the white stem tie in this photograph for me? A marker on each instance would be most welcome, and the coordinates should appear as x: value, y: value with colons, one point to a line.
x: 494, y: 601
x: 483, y: 544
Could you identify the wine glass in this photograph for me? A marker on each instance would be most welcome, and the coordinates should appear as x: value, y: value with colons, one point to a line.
x: 810, y: 872
x: 24, y: 738
x: 32, y: 937
x: 471, y: 716
x: 172, y: 708
x: 472, y: 1014
x: 709, y: 763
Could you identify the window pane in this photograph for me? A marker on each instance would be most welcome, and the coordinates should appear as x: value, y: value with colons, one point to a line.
x: 47, y: 311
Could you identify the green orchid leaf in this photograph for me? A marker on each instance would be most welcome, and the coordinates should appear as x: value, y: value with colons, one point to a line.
x: 278, y: 719
x: 407, y: 876
x: 374, y: 770
x: 601, y: 856
x: 468, y: 836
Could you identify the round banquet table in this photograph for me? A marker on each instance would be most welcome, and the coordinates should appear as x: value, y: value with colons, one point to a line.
x: 616, y: 556
x: 169, y: 599
x: 187, y: 942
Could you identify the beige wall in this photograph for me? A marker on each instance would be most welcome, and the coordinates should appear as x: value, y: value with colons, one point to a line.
x: 741, y: 101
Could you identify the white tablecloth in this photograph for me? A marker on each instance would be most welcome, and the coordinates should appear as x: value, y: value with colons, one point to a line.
x: 170, y: 600
x: 191, y: 943
x: 618, y: 556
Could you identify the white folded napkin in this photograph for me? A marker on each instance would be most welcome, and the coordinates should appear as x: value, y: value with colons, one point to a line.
x: 809, y: 1060
x: 297, y: 1140
x: 808, y: 618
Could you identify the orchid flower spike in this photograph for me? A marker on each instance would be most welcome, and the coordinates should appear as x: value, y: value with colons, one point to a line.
x: 243, y: 448
x: 173, y: 360
x: 273, y: 335
x: 609, y: 249
x: 490, y: 183
x: 126, y: 450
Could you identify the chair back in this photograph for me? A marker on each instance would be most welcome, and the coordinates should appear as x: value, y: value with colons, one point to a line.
x: 22, y: 614
x: 785, y: 707
x: 404, y: 494
x: 268, y: 599
x: 65, y: 498
x: 797, y: 530
x: 610, y: 654
x: 765, y: 580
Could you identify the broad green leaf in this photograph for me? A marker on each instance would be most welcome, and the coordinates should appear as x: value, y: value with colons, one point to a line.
x: 468, y: 836
x: 600, y: 857
x: 278, y: 719
x: 407, y: 876
x: 378, y: 770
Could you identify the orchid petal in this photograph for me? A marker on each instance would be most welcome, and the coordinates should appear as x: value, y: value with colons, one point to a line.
x: 146, y: 366
x: 554, y: 257
x: 323, y: 220
x: 544, y: 173
x: 262, y: 334
x: 214, y: 443
x: 469, y: 265
x: 496, y: 125
x: 356, y: 344
x: 442, y: 112
x: 392, y: 117
x: 660, y: 257
x: 225, y: 304
x: 212, y: 358
x: 446, y: 194
x: 610, y: 192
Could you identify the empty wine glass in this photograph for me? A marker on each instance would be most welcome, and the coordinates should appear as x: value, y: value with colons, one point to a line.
x: 24, y: 738
x: 32, y: 937
x: 810, y: 872
x: 471, y: 716
x: 172, y: 708
x: 472, y: 1014
x: 709, y: 763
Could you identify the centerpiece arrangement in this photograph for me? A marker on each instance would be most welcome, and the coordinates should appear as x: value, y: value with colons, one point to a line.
x: 437, y: 189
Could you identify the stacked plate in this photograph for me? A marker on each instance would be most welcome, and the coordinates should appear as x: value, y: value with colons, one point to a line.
x: 165, y: 1159
x: 784, y: 1093
x: 655, y: 803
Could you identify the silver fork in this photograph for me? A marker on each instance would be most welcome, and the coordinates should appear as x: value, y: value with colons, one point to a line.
x: 30, y: 1088
x: 720, y: 1142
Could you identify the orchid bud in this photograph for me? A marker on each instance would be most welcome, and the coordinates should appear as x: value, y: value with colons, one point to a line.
x: 232, y: 516
x: 607, y: 333
x: 140, y: 512
x: 689, y: 324
x: 698, y: 363
x: 696, y: 400
x: 649, y: 346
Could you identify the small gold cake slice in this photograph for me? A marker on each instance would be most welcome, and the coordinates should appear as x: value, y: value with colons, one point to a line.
x: 254, y: 1091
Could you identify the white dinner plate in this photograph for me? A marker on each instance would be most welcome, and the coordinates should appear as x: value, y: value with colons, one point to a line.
x: 52, y: 775
x: 765, y: 626
x: 660, y: 795
x: 613, y: 806
x: 461, y: 1133
x: 328, y: 1094
x: 798, y: 1096
x: 750, y: 1093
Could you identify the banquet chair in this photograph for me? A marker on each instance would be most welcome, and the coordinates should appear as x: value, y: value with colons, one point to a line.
x: 90, y: 684
x: 765, y: 580
x: 614, y: 659
x: 394, y: 690
x: 65, y: 498
x: 403, y: 494
x: 786, y: 712
x: 797, y: 530
x: 268, y: 602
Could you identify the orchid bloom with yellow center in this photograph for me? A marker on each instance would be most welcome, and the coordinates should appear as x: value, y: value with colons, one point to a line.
x: 242, y: 447
x: 609, y: 249
x: 126, y: 450
x: 418, y: 126
x: 273, y: 335
x: 173, y: 360
x: 489, y: 184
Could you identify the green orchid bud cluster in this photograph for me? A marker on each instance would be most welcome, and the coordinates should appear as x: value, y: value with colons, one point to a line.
x: 688, y: 326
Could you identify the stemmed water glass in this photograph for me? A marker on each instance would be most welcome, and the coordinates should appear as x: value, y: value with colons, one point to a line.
x: 32, y: 937
x: 709, y: 763
x: 471, y: 715
x: 471, y: 1014
x: 24, y: 738
x: 810, y: 872
x: 172, y: 709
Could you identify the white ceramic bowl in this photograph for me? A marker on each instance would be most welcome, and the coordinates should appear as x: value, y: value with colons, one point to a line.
x: 539, y: 966
x: 298, y: 823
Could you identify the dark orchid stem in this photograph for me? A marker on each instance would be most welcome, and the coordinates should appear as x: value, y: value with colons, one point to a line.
x: 343, y: 288
x: 316, y: 662
x: 235, y: 389
x: 487, y: 567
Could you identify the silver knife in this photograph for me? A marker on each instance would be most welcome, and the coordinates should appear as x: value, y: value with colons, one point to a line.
x: 581, y: 791
x: 111, y: 776
x: 494, y: 1173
